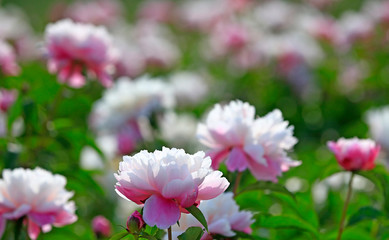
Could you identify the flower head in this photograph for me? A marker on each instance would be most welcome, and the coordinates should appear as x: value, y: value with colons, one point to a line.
x: 7, y: 98
x: 101, y: 226
x: 8, y: 60
x: 166, y: 182
x: 222, y: 215
x: 39, y: 196
x: 355, y: 154
x: 258, y: 144
x: 72, y: 47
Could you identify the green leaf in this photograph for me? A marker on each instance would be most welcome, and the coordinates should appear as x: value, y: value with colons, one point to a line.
x: 198, y: 215
x: 14, y: 112
x: 275, y: 187
x: 242, y: 235
x: 364, y: 213
x: 192, y: 233
x: 286, y: 222
x: 119, y: 236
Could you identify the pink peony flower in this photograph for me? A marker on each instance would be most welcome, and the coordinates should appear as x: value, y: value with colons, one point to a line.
x: 73, y: 47
x: 355, y: 154
x: 222, y: 215
x: 7, y: 98
x: 39, y: 196
x: 101, y: 226
x: 167, y: 182
x: 259, y: 144
x: 8, y: 60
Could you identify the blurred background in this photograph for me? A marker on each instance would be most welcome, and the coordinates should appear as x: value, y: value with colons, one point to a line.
x: 323, y: 63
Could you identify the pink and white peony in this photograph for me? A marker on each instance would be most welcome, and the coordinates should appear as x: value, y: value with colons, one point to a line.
x: 73, y: 47
x: 222, y: 215
x: 259, y: 145
x: 101, y: 226
x: 37, y: 195
x: 355, y: 154
x: 167, y: 182
x: 8, y: 62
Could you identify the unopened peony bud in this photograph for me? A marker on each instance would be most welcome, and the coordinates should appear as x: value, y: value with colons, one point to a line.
x: 355, y: 154
x: 135, y: 222
x: 101, y: 226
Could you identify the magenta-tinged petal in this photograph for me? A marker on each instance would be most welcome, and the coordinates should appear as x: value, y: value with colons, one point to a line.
x: 177, y: 187
x: 256, y: 152
x: 76, y: 80
x: 237, y: 160
x: 161, y: 212
x: 218, y: 156
x: 266, y: 173
x: 33, y: 230
x: 212, y: 186
x: 19, y: 212
x: 42, y: 218
x: 2, y: 225
x: 64, y: 218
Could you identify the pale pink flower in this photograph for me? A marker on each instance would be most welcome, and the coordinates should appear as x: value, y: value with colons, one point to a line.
x: 355, y: 154
x: 101, y: 226
x: 39, y: 196
x: 166, y: 182
x: 7, y: 98
x: 8, y: 62
x: 259, y: 144
x: 72, y: 47
x: 100, y: 12
x: 222, y: 215
x: 159, y: 11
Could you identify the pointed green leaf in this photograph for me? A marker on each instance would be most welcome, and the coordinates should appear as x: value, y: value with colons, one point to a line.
x: 364, y: 213
x: 119, y: 236
x: 192, y: 233
x: 267, y: 186
x: 198, y: 215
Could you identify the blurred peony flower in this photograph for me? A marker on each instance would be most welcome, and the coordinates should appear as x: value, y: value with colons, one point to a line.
x: 166, y: 182
x: 8, y: 62
x: 7, y: 98
x: 100, y: 12
x: 135, y: 222
x: 222, y: 215
x: 355, y: 154
x: 259, y: 144
x: 39, y: 196
x: 378, y: 120
x: 101, y: 226
x: 159, y: 11
x: 72, y: 47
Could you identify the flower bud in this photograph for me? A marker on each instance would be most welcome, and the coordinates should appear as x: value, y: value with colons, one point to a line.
x: 101, y: 226
x: 355, y: 154
x: 135, y: 222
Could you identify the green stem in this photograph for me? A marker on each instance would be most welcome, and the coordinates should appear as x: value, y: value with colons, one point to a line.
x: 18, y: 228
x: 237, y: 182
x: 349, y: 191
x: 169, y: 233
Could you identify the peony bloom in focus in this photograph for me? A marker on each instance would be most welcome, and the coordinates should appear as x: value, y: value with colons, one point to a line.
x: 39, y: 196
x: 222, y: 215
x: 8, y: 60
x: 258, y: 144
x: 167, y: 182
x: 72, y: 47
x: 101, y: 226
x: 355, y: 154
x: 378, y: 120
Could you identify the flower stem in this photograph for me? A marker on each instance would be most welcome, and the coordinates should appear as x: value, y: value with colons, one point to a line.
x: 237, y: 182
x: 18, y: 228
x: 349, y: 191
x: 169, y: 233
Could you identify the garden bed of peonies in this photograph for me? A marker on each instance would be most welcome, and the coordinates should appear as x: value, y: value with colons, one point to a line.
x: 206, y: 119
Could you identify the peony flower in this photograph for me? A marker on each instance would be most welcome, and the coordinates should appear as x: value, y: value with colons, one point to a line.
x: 101, y: 226
x: 72, y: 47
x: 167, y: 182
x: 378, y: 120
x: 7, y: 98
x: 259, y: 144
x: 37, y: 195
x: 355, y: 154
x: 8, y: 60
x: 222, y: 215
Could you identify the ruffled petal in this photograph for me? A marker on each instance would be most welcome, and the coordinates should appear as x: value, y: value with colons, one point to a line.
x: 161, y: 212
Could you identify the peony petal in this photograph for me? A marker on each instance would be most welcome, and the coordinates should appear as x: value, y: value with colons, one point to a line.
x: 237, y: 160
x: 212, y: 186
x: 218, y: 156
x: 161, y: 212
x: 19, y: 212
x: 33, y: 230
x: 2, y: 225
x: 42, y: 218
x: 222, y: 227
